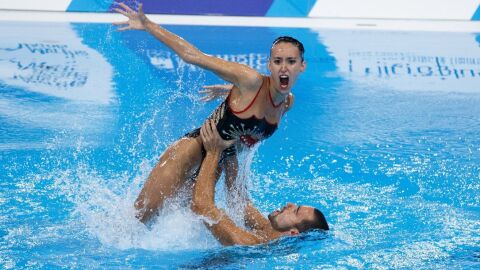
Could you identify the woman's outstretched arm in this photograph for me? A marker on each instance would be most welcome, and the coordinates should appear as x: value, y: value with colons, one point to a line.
x: 243, y: 76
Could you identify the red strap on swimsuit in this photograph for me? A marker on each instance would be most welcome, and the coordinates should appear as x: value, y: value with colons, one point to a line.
x: 251, y: 103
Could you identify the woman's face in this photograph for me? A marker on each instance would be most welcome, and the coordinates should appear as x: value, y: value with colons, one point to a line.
x: 285, y: 64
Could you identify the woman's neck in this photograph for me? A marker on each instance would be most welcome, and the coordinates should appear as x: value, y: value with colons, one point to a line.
x: 277, y: 96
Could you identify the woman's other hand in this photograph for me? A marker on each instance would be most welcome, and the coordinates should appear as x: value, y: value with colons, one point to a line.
x: 211, y: 92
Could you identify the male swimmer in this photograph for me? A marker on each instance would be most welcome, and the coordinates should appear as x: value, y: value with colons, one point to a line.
x: 290, y: 220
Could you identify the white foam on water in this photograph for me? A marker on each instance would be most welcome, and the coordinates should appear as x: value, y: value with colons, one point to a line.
x: 105, y: 208
x: 104, y: 205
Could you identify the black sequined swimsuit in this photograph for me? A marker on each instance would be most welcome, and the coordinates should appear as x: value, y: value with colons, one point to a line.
x: 248, y: 131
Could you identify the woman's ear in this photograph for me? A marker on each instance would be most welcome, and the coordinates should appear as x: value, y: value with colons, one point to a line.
x: 304, y: 66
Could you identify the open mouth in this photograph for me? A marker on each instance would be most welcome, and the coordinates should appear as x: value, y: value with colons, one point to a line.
x: 284, y: 81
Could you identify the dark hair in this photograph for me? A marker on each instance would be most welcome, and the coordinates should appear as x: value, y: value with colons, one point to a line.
x: 291, y: 40
x: 318, y: 222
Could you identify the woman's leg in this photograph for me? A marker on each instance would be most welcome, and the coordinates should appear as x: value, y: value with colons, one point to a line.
x: 176, y: 164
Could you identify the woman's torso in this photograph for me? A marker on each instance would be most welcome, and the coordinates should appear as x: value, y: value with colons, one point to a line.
x: 252, y: 123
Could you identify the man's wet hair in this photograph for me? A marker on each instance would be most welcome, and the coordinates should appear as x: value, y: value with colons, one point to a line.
x: 291, y: 40
x: 318, y: 222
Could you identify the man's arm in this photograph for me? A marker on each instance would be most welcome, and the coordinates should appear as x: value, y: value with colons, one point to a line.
x: 203, y: 201
x: 236, y: 191
x: 257, y: 221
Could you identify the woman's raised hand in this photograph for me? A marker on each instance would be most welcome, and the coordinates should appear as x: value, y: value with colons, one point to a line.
x: 136, y: 20
x: 211, y: 92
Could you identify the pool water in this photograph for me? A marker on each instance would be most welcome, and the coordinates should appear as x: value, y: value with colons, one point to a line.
x: 384, y: 138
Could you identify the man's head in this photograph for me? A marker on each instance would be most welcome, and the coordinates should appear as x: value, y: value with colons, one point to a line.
x: 296, y: 219
x: 286, y: 63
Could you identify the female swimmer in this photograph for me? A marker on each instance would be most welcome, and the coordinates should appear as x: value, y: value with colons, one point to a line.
x: 250, y: 113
